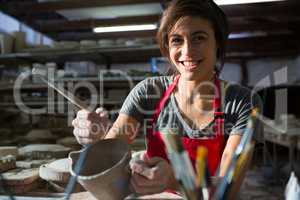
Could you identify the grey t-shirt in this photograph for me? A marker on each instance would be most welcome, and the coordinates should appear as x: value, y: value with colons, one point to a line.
x: 144, y: 97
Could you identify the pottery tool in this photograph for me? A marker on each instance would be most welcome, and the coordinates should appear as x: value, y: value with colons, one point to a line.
x: 42, y: 74
x: 179, y: 158
x: 239, y: 158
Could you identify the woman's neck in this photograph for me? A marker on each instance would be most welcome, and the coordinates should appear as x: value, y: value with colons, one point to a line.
x: 196, y: 88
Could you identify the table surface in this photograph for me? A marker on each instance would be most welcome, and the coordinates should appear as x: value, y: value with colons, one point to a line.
x: 88, y: 196
x: 282, y: 139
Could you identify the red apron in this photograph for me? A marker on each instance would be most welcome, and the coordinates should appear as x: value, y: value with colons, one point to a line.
x: 214, y: 145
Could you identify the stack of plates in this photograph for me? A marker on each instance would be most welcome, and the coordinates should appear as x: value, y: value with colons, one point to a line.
x: 8, y: 150
x: 7, y: 163
x: 44, y: 151
x: 57, y: 173
x: 28, y: 164
x: 8, y: 155
x: 20, y: 180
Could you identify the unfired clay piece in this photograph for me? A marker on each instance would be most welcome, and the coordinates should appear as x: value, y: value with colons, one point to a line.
x: 44, y: 151
x: 8, y: 150
x: 27, y: 164
x: 58, y: 171
x: 105, y: 172
x: 7, y: 163
x: 20, y: 176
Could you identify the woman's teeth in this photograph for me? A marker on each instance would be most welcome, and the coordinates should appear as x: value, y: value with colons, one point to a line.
x: 189, y: 63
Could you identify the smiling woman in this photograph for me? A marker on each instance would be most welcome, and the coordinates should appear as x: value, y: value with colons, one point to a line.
x: 193, y: 102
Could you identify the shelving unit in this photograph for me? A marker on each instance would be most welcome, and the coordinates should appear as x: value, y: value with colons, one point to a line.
x: 100, y: 55
x: 27, y: 89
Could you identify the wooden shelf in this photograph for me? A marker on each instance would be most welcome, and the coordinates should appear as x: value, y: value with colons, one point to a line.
x: 97, y: 54
x: 115, y: 83
x: 45, y: 103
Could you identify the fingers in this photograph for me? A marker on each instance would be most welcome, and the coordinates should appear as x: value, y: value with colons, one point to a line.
x: 142, y: 185
x: 102, y: 112
x: 149, y: 167
x: 101, y: 109
x: 83, y: 136
x: 140, y: 167
x: 152, y: 161
x: 84, y: 133
x: 84, y: 141
x: 149, y: 175
x: 143, y: 181
x: 89, y: 127
x: 80, y: 123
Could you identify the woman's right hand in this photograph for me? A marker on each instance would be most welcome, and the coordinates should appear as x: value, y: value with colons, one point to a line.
x: 90, y: 127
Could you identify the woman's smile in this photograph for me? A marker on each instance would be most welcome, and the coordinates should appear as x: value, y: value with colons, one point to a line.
x: 190, y: 64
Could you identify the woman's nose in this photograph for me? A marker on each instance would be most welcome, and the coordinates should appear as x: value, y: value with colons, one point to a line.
x: 187, y: 48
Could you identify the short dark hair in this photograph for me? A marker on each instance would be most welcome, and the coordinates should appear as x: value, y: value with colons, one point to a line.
x: 205, y: 9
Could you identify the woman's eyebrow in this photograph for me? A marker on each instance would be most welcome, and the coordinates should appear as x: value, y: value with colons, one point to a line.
x: 174, y: 35
x: 193, y: 34
x: 199, y: 32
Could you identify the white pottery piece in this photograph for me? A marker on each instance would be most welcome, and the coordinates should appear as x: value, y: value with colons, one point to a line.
x: 44, y: 151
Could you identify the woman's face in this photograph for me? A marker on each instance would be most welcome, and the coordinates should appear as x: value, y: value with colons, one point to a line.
x: 192, y: 48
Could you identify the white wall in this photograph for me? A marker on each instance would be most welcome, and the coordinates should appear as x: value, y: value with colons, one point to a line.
x: 278, y: 71
x: 232, y: 73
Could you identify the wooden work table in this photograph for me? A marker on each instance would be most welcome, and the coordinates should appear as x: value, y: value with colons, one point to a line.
x: 88, y: 196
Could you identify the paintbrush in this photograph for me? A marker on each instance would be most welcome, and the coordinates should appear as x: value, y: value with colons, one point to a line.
x: 179, y: 158
x: 202, y: 173
x: 238, y: 158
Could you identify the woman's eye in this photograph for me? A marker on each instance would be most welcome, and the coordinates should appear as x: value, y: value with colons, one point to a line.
x: 200, y: 38
x: 175, y: 40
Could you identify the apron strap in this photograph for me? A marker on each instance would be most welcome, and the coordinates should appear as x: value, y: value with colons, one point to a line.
x: 160, y: 106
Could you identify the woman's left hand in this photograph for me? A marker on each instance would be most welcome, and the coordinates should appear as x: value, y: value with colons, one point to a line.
x: 150, y: 175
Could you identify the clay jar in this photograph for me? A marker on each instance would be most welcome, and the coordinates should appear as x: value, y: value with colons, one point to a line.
x: 105, y: 171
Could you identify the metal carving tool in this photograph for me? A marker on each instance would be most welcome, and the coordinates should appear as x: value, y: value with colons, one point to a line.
x: 42, y: 74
